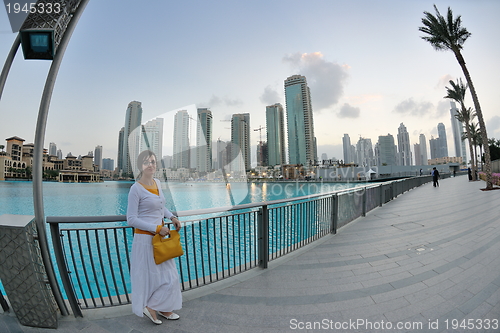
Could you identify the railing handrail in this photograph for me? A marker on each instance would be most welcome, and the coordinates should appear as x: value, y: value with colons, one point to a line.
x: 194, y: 212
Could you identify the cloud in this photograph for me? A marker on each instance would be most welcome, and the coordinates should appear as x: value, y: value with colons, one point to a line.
x: 443, y: 108
x: 412, y: 108
x: 218, y: 101
x: 443, y: 82
x: 493, y: 127
x: 348, y: 111
x: 270, y: 96
x: 325, y: 79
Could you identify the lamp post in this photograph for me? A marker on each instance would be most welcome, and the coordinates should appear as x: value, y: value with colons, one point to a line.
x: 45, y: 34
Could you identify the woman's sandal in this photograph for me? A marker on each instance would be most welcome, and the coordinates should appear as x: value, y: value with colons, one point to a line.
x: 173, y: 316
x: 148, y: 314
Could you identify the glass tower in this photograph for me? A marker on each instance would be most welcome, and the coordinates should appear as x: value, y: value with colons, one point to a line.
x: 275, y: 125
x: 301, y: 145
x: 131, y: 139
x: 181, y: 156
x: 240, y: 138
x: 204, y: 140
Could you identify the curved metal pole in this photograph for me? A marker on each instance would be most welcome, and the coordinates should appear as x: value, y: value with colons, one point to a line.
x: 8, y: 63
x: 38, y: 158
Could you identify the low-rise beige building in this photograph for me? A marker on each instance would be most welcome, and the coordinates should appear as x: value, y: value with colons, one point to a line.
x: 445, y: 160
x: 17, y: 162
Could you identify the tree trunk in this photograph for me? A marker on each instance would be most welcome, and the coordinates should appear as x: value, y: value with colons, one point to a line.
x: 482, y: 126
x: 472, y: 159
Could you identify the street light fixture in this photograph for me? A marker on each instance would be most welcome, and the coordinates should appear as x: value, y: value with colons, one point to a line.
x: 45, y: 26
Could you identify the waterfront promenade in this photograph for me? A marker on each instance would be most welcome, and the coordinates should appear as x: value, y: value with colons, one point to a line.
x: 424, y: 262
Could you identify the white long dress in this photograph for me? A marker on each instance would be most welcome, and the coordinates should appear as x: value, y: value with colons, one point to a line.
x: 155, y: 286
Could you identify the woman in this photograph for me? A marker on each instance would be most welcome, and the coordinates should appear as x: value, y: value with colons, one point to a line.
x: 155, y: 288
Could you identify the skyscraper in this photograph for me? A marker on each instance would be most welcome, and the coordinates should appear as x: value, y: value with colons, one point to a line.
x: 152, y: 137
x: 434, y: 147
x: 418, y: 154
x: 386, y: 150
x: 131, y: 142
x: 423, y: 148
x: 119, y: 160
x: 240, y: 137
x: 458, y: 129
x: 204, y: 140
x: 52, y: 149
x: 181, y: 140
x: 98, y: 157
x: 442, y: 141
x: 346, y: 144
x: 299, y: 116
x: 364, y: 152
x: 404, y: 146
x: 108, y: 164
x: 222, y: 156
x: 262, y: 151
x: 275, y: 125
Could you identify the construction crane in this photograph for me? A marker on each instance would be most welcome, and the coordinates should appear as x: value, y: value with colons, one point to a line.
x: 260, y: 132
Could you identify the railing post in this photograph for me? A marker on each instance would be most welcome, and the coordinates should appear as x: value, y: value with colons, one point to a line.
x: 335, y: 214
x: 364, y: 202
x: 63, y: 270
x: 263, y: 225
x: 381, y: 194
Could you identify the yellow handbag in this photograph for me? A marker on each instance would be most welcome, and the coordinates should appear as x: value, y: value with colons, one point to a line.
x: 167, y: 248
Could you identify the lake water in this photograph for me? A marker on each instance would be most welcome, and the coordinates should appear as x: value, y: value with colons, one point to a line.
x: 110, y: 197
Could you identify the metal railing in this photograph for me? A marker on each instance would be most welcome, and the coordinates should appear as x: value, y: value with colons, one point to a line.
x: 92, y: 252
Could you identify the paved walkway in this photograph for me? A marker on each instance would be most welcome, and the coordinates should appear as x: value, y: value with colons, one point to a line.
x: 426, y: 262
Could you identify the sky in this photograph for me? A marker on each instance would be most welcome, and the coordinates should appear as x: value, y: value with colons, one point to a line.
x: 366, y: 64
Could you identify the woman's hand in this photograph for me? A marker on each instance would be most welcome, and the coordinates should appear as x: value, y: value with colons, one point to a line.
x: 164, y: 231
x: 177, y: 223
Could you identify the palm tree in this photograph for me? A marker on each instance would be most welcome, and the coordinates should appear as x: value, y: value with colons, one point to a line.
x: 464, y: 115
x: 448, y: 34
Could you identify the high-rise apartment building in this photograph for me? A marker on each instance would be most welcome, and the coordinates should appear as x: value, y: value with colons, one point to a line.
x: 275, y: 126
x: 108, y: 164
x: 386, y: 150
x: 152, y: 136
x: 434, y: 147
x: 119, y: 160
x: 299, y: 114
x: 52, y: 149
x: 442, y: 141
x: 98, y: 157
x: 240, y: 138
x: 262, y: 153
x: 222, y: 158
x: 130, y: 141
x: 204, y: 140
x: 418, y: 154
x: 59, y: 154
x: 346, y: 145
x: 364, y: 152
x: 423, y: 149
x: 457, y: 128
x: 181, y: 158
x: 404, y: 150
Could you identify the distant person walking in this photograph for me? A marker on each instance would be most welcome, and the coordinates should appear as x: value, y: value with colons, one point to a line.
x: 470, y: 173
x: 435, y: 177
